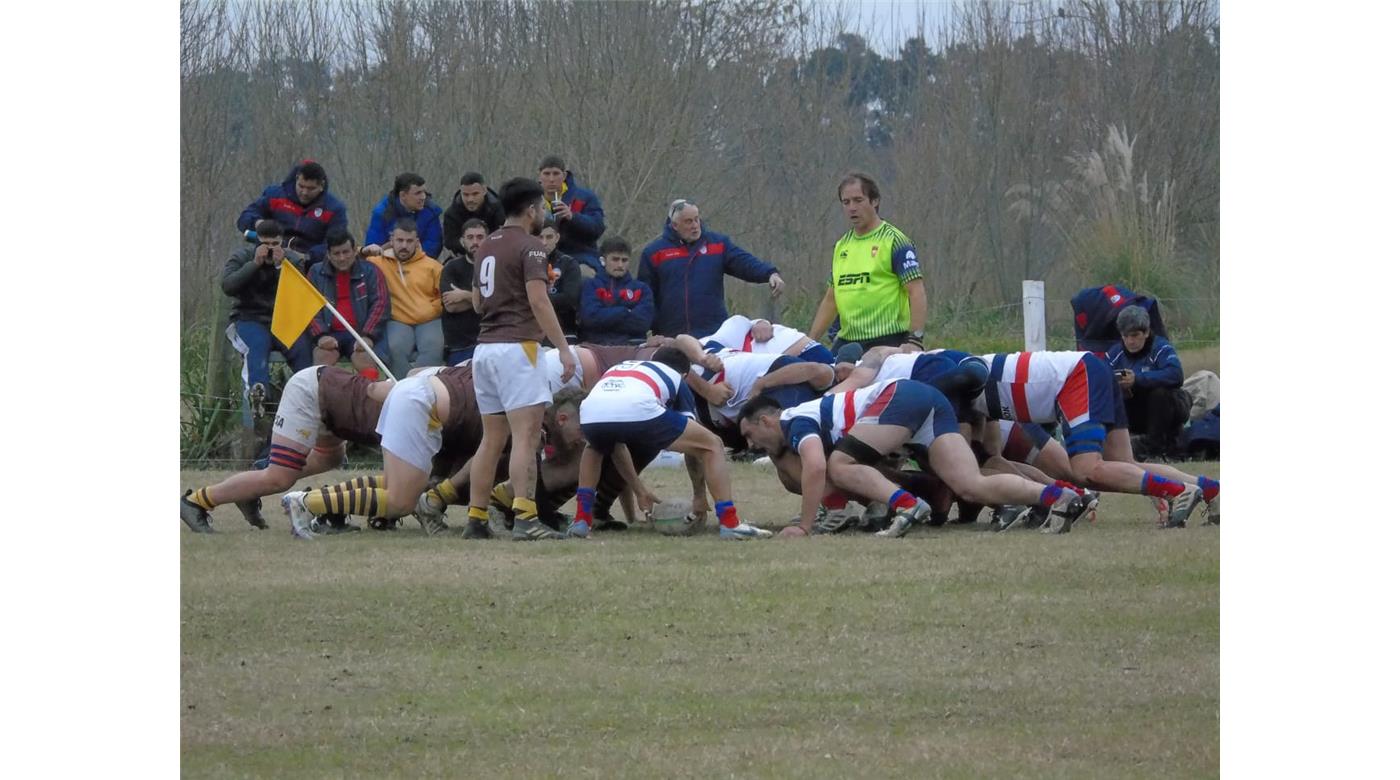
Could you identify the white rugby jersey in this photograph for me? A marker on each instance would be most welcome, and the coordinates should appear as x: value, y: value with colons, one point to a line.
x: 741, y: 370
x: 737, y: 333
x: 898, y: 366
x: 636, y: 391
x: 1023, y: 386
x: 829, y: 417
x: 553, y: 368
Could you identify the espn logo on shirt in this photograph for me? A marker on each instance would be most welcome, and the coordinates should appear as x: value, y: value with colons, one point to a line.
x: 848, y: 279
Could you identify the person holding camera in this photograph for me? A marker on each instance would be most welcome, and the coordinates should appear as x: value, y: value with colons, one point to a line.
x: 250, y: 279
x: 877, y: 285
x: 1149, y: 372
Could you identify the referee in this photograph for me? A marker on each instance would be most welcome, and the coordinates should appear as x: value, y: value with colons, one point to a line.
x: 877, y: 286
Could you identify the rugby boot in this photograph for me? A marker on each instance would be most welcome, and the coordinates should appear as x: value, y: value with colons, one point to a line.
x: 833, y: 522
x: 1182, y: 506
x: 532, y: 530
x: 252, y: 512
x: 430, y: 514
x: 477, y: 529
x: 294, y: 504
x: 744, y: 531
x: 1068, y: 508
x: 194, y: 515
x: 1008, y: 516
x: 904, y: 519
x: 579, y: 530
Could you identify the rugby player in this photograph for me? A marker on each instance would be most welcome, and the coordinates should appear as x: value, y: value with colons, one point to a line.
x: 841, y: 437
x: 322, y: 407
x: 645, y: 406
x: 766, y: 338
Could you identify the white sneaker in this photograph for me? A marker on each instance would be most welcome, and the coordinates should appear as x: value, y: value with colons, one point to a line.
x: 1183, y: 505
x: 294, y: 504
x: 744, y: 531
x: 430, y: 515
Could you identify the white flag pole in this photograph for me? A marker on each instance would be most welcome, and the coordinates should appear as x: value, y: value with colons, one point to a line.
x: 358, y: 338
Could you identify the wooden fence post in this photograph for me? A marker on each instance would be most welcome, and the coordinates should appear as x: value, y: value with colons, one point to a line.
x: 1033, y: 314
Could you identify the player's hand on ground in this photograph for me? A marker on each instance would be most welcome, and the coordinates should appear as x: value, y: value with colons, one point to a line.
x: 792, y: 532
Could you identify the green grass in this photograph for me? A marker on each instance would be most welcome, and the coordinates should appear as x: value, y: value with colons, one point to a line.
x: 953, y: 652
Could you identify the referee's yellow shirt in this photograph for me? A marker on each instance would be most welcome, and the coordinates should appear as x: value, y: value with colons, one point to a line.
x: 868, y: 274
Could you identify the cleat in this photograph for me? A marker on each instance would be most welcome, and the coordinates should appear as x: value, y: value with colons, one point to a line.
x: 829, y: 522
x: 194, y: 515
x: 477, y: 529
x: 294, y: 504
x: 1037, y: 517
x: 1068, y: 508
x: 385, y: 523
x: 606, y: 523
x: 256, y: 395
x: 328, y: 525
x: 252, y: 512
x: 1091, y: 505
x: 1009, y: 516
x: 876, y: 517
x: 430, y: 514
x: 744, y: 531
x: 905, y: 519
x: 1213, y: 510
x: 1182, y: 506
x: 579, y: 529
x: 532, y: 530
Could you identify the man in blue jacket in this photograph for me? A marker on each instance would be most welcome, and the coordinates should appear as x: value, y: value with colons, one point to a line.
x: 356, y: 288
x: 305, y: 208
x: 409, y: 198
x: 685, y: 268
x: 614, y: 308
x: 1149, y: 372
x: 576, y: 211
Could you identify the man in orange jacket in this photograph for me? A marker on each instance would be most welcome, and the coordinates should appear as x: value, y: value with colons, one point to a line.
x: 413, y: 280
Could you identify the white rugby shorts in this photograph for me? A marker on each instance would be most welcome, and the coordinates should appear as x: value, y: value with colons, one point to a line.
x: 299, y: 412
x: 509, y: 376
x: 407, y: 426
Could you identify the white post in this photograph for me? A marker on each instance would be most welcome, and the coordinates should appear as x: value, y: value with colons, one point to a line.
x: 1033, y: 314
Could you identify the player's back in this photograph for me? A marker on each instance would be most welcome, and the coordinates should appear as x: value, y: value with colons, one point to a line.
x: 1023, y: 386
x: 836, y: 414
x: 508, y: 258
x: 347, y: 409
x: 741, y: 370
x: 633, y: 390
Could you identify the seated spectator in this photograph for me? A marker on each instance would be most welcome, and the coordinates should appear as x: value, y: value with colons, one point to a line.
x: 473, y: 200
x: 408, y: 200
x: 250, y: 278
x: 358, y: 291
x: 564, y: 281
x: 460, y: 322
x: 305, y: 208
x: 685, y: 267
x: 414, y: 282
x: 1150, y: 374
x: 614, y: 308
x: 576, y: 211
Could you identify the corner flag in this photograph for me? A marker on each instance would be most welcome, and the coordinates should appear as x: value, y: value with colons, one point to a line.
x: 297, y: 302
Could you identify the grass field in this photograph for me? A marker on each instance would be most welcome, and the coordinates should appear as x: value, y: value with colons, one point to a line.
x: 951, y: 653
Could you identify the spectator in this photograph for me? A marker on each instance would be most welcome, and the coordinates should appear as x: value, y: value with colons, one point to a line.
x: 877, y: 286
x: 565, y: 277
x: 358, y: 291
x: 614, y: 307
x: 305, y: 208
x: 1149, y: 371
x: 576, y: 210
x: 414, y: 282
x: 685, y: 268
x: 460, y: 322
x: 409, y: 199
x: 250, y: 278
x: 473, y: 200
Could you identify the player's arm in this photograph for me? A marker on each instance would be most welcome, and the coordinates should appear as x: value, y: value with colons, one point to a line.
x: 476, y: 298
x: 813, y: 480
x: 622, y: 458
x: 714, y: 394
x: 918, y: 308
x: 818, y: 375
x: 826, y: 312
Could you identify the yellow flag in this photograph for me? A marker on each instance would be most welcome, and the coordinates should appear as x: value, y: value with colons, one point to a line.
x: 297, y: 302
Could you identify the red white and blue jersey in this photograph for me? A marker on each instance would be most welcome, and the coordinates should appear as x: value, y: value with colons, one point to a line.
x: 634, y: 391
x: 1028, y: 387
x: 922, y: 366
x: 832, y: 416
x: 741, y: 370
x: 737, y: 333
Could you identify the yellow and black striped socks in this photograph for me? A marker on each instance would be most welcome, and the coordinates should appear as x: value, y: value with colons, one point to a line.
x: 201, y: 499
x: 364, y: 496
x: 524, y: 508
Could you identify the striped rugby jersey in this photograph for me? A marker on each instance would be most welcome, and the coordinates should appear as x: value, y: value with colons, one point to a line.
x: 636, y: 391
x: 830, y: 417
x: 1023, y: 386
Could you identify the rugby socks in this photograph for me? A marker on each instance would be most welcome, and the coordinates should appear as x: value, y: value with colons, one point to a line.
x: 1060, y: 483
x: 834, y: 501
x: 524, y: 508
x: 584, y: 511
x: 444, y: 492
x: 727, y: 514
x: 478, y: 514
x: 1160, y: 487
x: 359, y: 496
x: 501, y: 495
x: 902, y: 499
x: 1051, y: 494
x: 1209, y: 487
x: 201, y: 499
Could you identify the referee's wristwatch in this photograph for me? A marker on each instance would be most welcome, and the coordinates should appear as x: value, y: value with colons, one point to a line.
x: 915, y: 337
